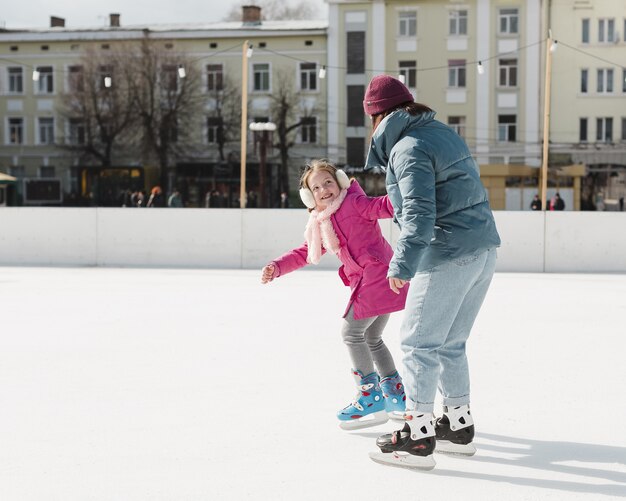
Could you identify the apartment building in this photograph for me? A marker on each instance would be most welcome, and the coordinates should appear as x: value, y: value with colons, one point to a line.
x: 478, y: 63
x: 588, y: 119
x: 38, y: 68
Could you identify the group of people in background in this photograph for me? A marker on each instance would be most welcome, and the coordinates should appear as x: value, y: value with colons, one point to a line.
x: 555, y: 203
x: 139, y: 198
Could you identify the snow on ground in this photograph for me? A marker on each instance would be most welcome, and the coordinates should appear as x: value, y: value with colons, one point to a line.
x: 159, y: 384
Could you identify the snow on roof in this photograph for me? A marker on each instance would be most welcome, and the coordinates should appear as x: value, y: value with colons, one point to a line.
x: 288, y: 25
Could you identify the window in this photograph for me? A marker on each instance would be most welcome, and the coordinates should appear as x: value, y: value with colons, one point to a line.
x: 458, y: 124
x: 308, y: 130
x: 16, y: 80
x: 456, y: 73
x: 308, y: 76
x: 16, y: 131
x: 457, y: 22
x: 169, y: 77
x: 582, y: 130
x: 584, y: 79
x: 45, y: 84
x: 46, y: 130
x: 76, y: 79
x: 409, y: 70
x: 407, y: 24
x: 18, y: 171
x: 47, y: 171
x: 605, y: 81
x: 624, y: 80
x: 214, y: 129
x: 507, y: 128
x: 261, y: 76
x: 105, y: 76
x: 214, y: 77
x: 76, y: 131
x: 585, y: 33
x: 604, y: 129
x: 356, y: 52
x: 508, y: 72
x: 356, y: 117
x: 508, y: 21
x: 623, y: 129
x: 355, y: 154
x: 606, y: 30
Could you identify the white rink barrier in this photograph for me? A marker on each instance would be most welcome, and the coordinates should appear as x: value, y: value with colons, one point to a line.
x: 232, y: 238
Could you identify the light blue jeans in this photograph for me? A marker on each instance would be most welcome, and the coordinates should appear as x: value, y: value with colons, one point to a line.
x: 441, y: 307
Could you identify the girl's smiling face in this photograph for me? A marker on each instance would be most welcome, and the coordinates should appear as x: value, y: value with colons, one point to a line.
x: 324, y: 188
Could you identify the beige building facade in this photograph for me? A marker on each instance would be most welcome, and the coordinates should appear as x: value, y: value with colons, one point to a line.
x: 36, y: 68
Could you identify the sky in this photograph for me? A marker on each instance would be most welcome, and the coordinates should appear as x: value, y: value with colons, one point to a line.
x: 196, y: 384
x: 36, y: 13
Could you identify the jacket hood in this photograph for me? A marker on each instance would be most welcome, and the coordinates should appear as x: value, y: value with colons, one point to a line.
x: 389, y: 132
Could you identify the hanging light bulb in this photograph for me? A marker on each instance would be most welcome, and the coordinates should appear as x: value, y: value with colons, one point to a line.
x: 249, y: 51
x: 480, y: 68
x: 35, y: 76
x: 181, y: 71
x: 322, y: 73
x: 554, y: 46
x: 402, y: 78
x: 107, y: 82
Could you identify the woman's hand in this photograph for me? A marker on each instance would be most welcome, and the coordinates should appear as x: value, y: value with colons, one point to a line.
x: 395, y: 284
x: 267, y: 274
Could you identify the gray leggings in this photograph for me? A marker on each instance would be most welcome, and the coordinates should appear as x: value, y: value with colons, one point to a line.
x: 365, y: 344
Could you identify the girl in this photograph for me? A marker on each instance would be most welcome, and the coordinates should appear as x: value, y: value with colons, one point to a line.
x: 344, y: 221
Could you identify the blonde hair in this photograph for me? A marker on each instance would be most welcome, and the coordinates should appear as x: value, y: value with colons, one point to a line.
x: 315, y: 166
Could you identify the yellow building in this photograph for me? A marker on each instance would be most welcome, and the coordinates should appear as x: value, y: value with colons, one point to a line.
x: 36, y: 71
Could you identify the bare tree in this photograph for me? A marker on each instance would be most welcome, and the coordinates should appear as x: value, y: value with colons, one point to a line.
x: 225, y: 114
x: 167, y: 99
x: 275, y: 10
x: 289, y: 116
x: 97, y: 107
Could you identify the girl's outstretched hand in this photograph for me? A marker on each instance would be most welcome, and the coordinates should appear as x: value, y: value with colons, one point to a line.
x: 395, y: 284
x: 268, y: 273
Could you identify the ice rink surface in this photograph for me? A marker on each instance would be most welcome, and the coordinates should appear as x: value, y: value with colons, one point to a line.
x: 159, y: 384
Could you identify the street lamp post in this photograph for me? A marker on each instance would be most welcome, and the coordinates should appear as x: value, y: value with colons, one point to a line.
x: 262, y: 134
x: 246, y: 54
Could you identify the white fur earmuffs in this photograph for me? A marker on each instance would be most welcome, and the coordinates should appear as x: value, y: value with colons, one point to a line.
x: 307, y: 196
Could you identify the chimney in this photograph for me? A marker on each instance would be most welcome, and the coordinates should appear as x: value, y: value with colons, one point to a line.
x: 115, y: 20
x: 57, y: 22
x: 251, y: 15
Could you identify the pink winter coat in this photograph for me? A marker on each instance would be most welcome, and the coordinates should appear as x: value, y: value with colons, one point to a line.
x: 364, y: 254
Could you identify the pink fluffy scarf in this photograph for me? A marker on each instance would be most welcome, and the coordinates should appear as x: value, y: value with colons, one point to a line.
x: 320, y: 232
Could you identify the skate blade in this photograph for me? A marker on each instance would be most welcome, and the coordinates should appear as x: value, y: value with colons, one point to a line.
x: 396, y: 415
x: 407, y: 461
x: 446, y: 447
x: 373, y: 419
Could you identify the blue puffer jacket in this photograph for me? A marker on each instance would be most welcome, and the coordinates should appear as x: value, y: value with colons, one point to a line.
x: 434, y: 186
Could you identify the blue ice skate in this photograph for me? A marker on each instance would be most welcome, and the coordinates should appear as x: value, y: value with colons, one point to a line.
x: 368, y: 408
x: 395, y: 399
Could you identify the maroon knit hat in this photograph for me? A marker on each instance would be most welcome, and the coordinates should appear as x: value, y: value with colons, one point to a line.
x: 385, y: 92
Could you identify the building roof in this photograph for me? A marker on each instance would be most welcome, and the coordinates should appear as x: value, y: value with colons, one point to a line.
x: 231, y: 28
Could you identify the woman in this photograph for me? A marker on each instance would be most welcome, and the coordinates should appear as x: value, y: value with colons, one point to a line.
x: 446, y: 249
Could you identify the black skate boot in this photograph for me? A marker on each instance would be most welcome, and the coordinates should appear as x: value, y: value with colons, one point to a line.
x: 411, y: 447
x: 455, y: 431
